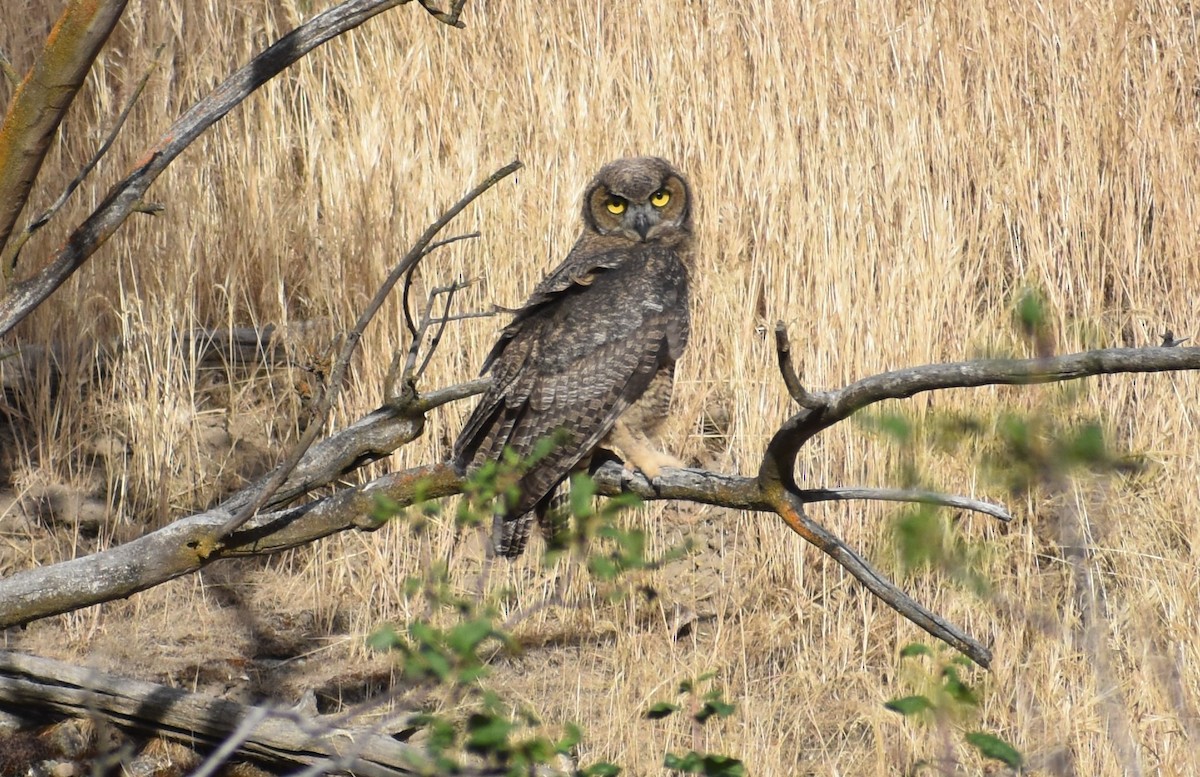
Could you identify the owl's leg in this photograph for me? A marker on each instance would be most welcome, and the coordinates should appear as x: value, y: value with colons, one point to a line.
x: 636, y: 450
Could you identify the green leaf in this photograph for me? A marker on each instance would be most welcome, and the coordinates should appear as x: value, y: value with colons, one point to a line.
x: 602, y: 769
x: 708, y: 764
x: 473, y: 673
x: 956, y: 688
x: 583, y: 489
x: 1031, y: 312
x: 442, y: 734
x: 920, y: 535
x: 384, y: 638
x: 423, y: 634
x: 662, y: 709
x: 384, y: 508
x: 466, y: 637
x: 915, y: 649
x: 538, y: 750
x: 683, y: 763
x: 713, y: 707
x: 1087, y: 445
x: 615, y: 505
x: 602, y: 568
x: 435, y: 663
x: 722, y: 766
x: 572, y: 736
x: 487, y: 733
x: 994, y: 747
x: 909, y: 705
x: 895, y: 426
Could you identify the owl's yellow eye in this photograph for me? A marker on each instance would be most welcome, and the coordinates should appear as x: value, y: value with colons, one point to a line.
x: 616, y: 206
x: 660, y: 198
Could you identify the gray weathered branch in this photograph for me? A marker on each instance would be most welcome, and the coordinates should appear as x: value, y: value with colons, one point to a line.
x: 824, y: 409
x: 263, y: 491
x: 192, y: 542
x: 126, y: 196
x: 281, y: 737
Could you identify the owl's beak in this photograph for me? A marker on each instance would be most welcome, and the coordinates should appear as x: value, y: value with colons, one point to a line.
x: 642, y: 218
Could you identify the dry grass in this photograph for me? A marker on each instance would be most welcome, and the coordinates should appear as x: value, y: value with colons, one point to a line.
x: 884, y: 180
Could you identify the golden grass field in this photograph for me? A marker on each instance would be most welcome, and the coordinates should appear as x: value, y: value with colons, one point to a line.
x: 886, y: 180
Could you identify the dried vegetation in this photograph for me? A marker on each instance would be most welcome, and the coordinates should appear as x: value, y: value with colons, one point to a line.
x: 886, y: 180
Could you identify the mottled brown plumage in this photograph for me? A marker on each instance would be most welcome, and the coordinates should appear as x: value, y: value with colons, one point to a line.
x: 592, y: 353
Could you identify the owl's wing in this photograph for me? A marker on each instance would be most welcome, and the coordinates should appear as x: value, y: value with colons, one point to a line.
x: 573, y: 360
x: 575, y: 272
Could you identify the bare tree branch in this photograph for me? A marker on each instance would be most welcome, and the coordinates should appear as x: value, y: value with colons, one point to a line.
x: 748, y: 493
x: 279, y: 475
x: 787, y: 369
x: 446, y: 17
x: 22, y: 298
x: 281, y: 737
x: 406, y: 290
x: 831, y: 407
x: 810, y: 495
x: 8, y: 260
x: 190, y: 543
x: 40, y: 102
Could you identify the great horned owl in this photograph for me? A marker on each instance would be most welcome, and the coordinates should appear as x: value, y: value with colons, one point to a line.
x: 591, y: 355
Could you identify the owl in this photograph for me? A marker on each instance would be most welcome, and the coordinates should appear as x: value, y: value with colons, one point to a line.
x: 589, y: 359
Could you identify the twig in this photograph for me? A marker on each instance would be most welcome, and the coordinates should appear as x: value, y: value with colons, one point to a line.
x: 10, y: 73
x: 789, y: 507
x: 125, y: 196
x: 808, y: 495
x: 408, y: 277
x: 441, y: 322
x: 791, y: 379
x: 1169, y: 340
x: 400, y: 383
x: 446, y: 17
x: 466, y: 316
x: 406, y: 379
x: 337, y: 375
x: 9, y: 259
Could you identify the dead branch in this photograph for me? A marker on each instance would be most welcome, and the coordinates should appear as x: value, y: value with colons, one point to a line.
x: 830, y: 407
x: 914, y: 496
x: 127, y: 195
x: 8, y: 259
x: 10, y: 73
x: 193, y: 542
x: 42, y: 99
x: 276, y: 478
x: 406, y: 291
x: 280, y: 737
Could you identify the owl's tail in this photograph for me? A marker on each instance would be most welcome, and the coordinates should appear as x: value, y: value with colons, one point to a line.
x: 510, y: 534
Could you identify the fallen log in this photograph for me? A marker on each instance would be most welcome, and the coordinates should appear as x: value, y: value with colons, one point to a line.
x: 276, y: 737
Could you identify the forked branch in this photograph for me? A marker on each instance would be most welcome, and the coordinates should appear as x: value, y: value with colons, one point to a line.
x: 822, y: 410
x: 126, y: 197
x: 419, y: 249
x: 155, y: 558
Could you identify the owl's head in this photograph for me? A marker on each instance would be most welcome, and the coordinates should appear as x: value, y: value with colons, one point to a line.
x: 640, y: 198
